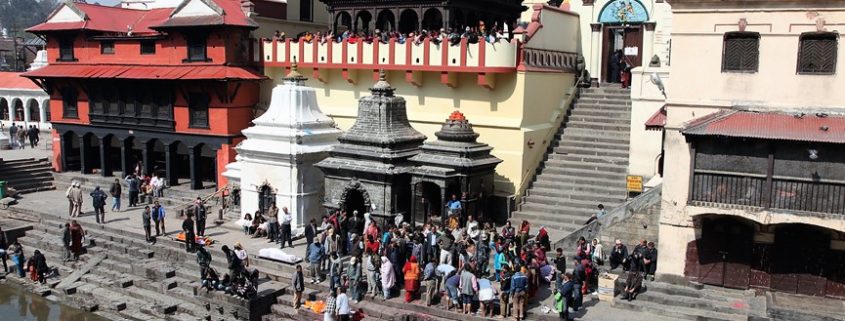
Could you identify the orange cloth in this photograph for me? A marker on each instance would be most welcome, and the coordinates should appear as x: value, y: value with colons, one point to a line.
x: 412, y: 271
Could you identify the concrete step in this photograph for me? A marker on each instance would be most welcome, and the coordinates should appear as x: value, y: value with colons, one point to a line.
x: 598, y: 105
x: 575, y: 200
x: 576, y: 117
x: 570, y: 142
x: 576, y: 195
x: 604, y: 167
x: 568, y: 171
x: 564, y: 227
x: 562, y: 219
x: 591, y: 151
x: 619, y: 101
x: 572, y: 210
x: 590, y: 159
x: 567, y: 187
x: 596, y: 134
x: 585, y: 111
x: 580, y: 135
x: 606, y: 89
x: 562, y: 179
x: 620, y: 128
x: 679, y: 312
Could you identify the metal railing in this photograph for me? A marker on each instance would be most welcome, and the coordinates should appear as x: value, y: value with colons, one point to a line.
x: 778, y: 193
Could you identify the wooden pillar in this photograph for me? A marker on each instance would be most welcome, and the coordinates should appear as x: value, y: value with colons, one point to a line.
x: 170, y: 164
x: 444, y: 213
x: 770, y: 172
x: 63, y: 148
x: 126, y: 156
x: 193, y: 160
x: 84, y: 154
x: 105, y: 156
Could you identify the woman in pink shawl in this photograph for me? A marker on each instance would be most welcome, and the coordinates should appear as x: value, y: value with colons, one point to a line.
x: 388, y: 278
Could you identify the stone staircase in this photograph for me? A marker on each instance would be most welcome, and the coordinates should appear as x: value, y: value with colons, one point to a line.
x: 585, y: 166
x: 694, y: 302
x: 27, y: 175
x: 136, y: 281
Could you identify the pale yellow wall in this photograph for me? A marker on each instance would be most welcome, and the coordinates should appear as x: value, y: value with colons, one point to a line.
x: 559, y: 32
x: 522, y: 107
x: 646, y: 100
x: 699, y: 88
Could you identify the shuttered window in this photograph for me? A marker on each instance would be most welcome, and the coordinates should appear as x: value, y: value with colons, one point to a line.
x: 741, y: 52
x: 817, y: 53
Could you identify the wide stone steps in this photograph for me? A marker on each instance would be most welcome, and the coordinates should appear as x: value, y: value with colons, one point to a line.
x: 688, y: 303
x: 586, y: 166
x: 27, y: 175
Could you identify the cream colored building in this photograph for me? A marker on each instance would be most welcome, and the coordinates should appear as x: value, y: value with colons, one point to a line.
x: 640, y: 28
x: 516, y: 92
x: 754, y: 133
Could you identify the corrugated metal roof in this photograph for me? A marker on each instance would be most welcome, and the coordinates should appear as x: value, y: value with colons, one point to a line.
x: 656, y: 121
x: 770, y: 125
x: 143, y: 72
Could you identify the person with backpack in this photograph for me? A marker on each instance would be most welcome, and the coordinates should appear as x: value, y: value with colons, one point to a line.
x: 98, y: 199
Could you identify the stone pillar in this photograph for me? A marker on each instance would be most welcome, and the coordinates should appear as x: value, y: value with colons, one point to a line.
x: 105, y: 159
x: 85, y: 156
x: 443, y: 212
x: 170, y: 164
x: 595, y: 57
x: 63, y: 148
x: 26, y: 115
x: 193, y: 160
x: 126, y: 156
x: 145, y: 156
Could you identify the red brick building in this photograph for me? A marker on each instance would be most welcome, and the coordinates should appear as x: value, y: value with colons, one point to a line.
x: 168, y: 88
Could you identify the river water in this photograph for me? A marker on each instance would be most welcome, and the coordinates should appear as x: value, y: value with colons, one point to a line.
x: 19, y: 305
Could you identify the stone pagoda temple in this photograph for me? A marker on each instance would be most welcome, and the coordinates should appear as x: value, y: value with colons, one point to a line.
x: 452, y: 165
x: 369, y: 170
x: 276, y: 161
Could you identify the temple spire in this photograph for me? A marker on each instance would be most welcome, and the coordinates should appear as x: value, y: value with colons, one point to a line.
x: 382, y: 87
x: 294, y: 76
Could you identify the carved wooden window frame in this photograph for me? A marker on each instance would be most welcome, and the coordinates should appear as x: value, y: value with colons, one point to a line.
x: 817, y: 53
x: 743, y: 46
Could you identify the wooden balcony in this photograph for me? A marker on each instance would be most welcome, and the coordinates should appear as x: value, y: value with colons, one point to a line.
x: 711, y: 188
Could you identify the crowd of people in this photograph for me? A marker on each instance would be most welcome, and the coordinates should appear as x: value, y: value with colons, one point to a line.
x: 453, y: 36
x: 239, y: 280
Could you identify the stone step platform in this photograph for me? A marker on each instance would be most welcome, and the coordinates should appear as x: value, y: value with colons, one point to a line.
x: 690, y: 301
x: 541, y: 192
x: 590, y: 173
x: 591, y: 151
x: 605, y: 167
x: 618, y: 146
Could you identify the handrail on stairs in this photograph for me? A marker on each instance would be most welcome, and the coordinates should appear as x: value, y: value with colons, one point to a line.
x: 617, y: 214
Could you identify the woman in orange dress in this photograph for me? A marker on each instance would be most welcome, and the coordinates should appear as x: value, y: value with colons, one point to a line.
x: 412, y: 276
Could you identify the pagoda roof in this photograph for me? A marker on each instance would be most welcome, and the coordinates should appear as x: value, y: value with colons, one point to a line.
x: 455, y: 150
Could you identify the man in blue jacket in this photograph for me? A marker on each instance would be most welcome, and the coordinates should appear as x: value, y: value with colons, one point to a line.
x: 519, y: 287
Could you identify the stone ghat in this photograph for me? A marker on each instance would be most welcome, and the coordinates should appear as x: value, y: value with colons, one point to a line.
x: 142, y: 282
x: 131, y: 280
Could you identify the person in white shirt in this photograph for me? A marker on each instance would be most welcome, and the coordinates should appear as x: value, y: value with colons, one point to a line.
x: 158, y: 186
x: 342, y: 310
x: 286, y: 228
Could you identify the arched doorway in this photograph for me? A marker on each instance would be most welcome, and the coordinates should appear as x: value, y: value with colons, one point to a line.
x: 725, y: 251
x: 207, y: 164
x: 386, y: 21
x: 622, y: 27
x: 4, y: 109
x: 362, y: 21
x: 266, y: 197
x: 18, y: 109
x: 409, y: 21
x: 355, y: 198
x: 427, y: 201
x: 342, y: 22
x: 432, y: 20
x: 34, y: 112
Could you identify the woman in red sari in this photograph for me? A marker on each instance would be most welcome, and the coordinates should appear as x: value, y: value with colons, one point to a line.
x: 412, y: 276
x: 76, y: 235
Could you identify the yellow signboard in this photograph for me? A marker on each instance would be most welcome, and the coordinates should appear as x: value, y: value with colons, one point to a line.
x: 635, y: 183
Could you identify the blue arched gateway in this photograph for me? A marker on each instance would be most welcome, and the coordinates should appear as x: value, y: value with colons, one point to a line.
x: 621, y: 22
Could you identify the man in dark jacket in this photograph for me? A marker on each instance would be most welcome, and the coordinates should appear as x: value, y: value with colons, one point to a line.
x: 98, y: 199
x: 190, y: 237
x: 66, y: 243
x: 579, y: 276
x: 650, y: 260
x: 234, y: 262
x: 619, y: 256
x: 32, y: 134
x: 134, y: 187
x: 298, y: 286
x: 310, y: 233
x: 567, y: 290
x: 115, y: 190
x: 201, y: 215
x: 203, y: 260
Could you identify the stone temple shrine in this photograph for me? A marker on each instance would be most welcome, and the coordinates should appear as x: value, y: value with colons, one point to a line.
x: 453, y: 164
x: 369, y: 170
x: 276, y: 161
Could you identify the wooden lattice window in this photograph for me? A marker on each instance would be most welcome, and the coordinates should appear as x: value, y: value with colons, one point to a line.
x: 741, y: 52
x: 817, y: 53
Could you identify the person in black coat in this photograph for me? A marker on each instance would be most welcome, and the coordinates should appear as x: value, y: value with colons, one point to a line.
x: 615, y: 65
x: 310, y: 233
x: 650, y: 260
x: 619, y: 256
x: 190, y: 236
x: 39, y: 263
x: 98, y: 200
x: 567, y: 290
